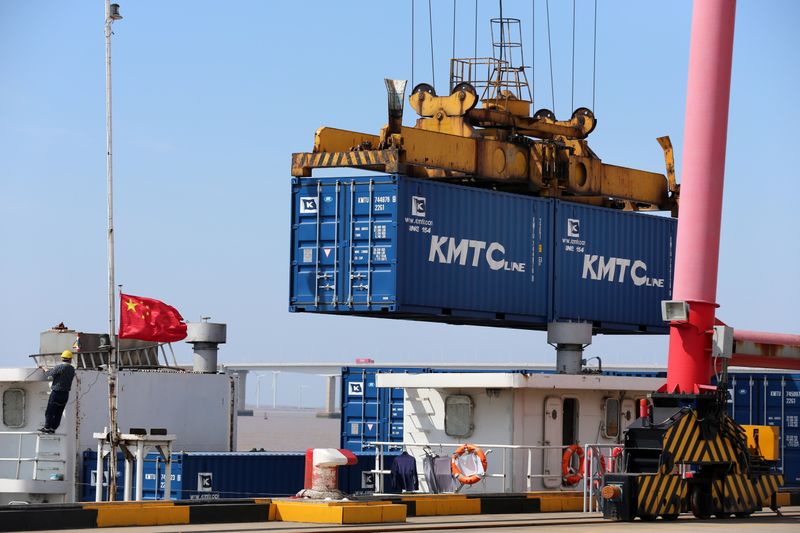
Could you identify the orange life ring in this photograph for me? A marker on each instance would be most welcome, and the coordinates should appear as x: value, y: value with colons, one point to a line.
x: 572, y: 479
x: 456, y: 471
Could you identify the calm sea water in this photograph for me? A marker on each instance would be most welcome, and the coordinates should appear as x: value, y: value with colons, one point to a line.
x: 287, y: 430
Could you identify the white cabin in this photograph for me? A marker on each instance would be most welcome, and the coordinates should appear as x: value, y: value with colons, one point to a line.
x: 536, y: 413
x: 198, y: 408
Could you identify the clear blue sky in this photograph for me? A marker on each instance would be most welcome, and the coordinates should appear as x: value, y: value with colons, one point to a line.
x: 211, y: 99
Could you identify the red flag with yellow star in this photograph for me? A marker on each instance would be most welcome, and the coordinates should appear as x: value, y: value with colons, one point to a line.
x: 147, y: 319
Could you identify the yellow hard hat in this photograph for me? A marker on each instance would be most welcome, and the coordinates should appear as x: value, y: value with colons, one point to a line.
x: 66, y: 354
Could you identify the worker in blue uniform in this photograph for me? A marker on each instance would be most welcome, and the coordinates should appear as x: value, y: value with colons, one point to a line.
x: 62, y: 376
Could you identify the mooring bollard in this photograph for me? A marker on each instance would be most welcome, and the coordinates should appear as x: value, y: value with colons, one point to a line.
x: 322, y: 477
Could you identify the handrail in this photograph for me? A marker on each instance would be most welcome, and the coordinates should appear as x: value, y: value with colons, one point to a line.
x: 38, y: 455
x: 591, y: 458
x: 134, y: 357
x: 593, y: 472
x: 380, y: 471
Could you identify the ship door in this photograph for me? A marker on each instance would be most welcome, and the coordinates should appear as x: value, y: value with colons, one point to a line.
x: 627, y: 413
x: 552, y: 437
x: 569, y: 421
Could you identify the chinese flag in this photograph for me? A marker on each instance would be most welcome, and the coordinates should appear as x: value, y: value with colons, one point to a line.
x: 149, y: 320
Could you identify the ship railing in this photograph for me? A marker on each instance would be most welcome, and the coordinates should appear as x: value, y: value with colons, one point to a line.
x: 533, y: 453
x: 598, y: 459
x: 39, y: 457
x: 137, y: 357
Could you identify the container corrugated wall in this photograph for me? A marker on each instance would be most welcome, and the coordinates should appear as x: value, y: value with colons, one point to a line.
x: 612, y: 268
x: 241, y: 475
x: 397, y: 247
x: 89, y: 476
x: 343, y: 244
x: 406, y: 248
x: 357, y: 478
x: 771, y: 400
x: 473, y: 254
x: 370, y: 414
x: 216, y: 475
x: 210, y: 475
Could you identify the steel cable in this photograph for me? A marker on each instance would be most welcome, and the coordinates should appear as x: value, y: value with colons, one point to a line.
x: 502, y: 39
x: 412, y: 43
x: 550, y: 54
x: 594, y: 55
x: 533, y: 48
x: 430, y: 28
x: 572, y: 103
x: 454, y: 30
x: 475, y: 45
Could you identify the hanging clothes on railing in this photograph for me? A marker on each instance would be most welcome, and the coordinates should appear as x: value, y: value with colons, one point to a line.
x: 429, y: 471
x: 443, y: 474
x: 404, y: 472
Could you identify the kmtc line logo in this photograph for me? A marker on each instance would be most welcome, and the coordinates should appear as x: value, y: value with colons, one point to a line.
x: 418, y: 204
x: 613, y: 269
x: 448, y: 250
x: 308, y: 205
x: 573, y: 227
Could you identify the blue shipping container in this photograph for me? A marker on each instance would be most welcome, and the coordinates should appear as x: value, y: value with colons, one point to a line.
x: 612, y: 268
x: 221, y: 475
x: 370, y: 414
x: 215, y: 475
x: 359, y: 478
x: 771, y: 399
x: 88, y: 481
x: 407, y: 248
x: 209, y: 475
x: 398, y: 247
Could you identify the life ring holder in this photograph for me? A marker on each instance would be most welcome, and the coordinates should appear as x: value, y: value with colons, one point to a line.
x: 456, y: 470
x: 575, y: 477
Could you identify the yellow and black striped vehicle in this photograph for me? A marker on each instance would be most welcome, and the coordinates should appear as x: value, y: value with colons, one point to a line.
x: 686, y: 455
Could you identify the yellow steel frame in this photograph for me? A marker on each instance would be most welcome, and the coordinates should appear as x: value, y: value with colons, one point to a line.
x: 534, y: 155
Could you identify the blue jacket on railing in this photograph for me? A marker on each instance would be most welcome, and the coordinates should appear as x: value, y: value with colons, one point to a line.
x: 404, y: 472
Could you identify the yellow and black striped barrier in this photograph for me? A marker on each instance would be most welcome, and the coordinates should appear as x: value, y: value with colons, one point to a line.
x: 145, y: 513
x: 382, y: 160
x: 474, y: 504
x: 360, y: 511
x: 384, y: 509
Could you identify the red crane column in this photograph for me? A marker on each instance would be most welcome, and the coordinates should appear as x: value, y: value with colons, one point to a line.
x: 705, y: 131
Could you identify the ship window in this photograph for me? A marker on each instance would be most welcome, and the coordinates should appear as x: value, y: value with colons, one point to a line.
x: 611, y: 419
x: 458, y: 415
x: 14, y: 408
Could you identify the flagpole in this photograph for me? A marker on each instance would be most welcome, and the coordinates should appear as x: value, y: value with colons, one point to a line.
x: 111, y: 14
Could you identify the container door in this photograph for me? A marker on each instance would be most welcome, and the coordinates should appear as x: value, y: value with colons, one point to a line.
x: 627, y: 413
x: 391, y: 414
x: 354, y: 408
x: 551, y: 466
x: 773, y: 401
x: 774, y: 386
x: 396, y: 412
x: 790, y: 434
x: 369, y: 276
x: 743, y: 403
x: 316, y: 283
